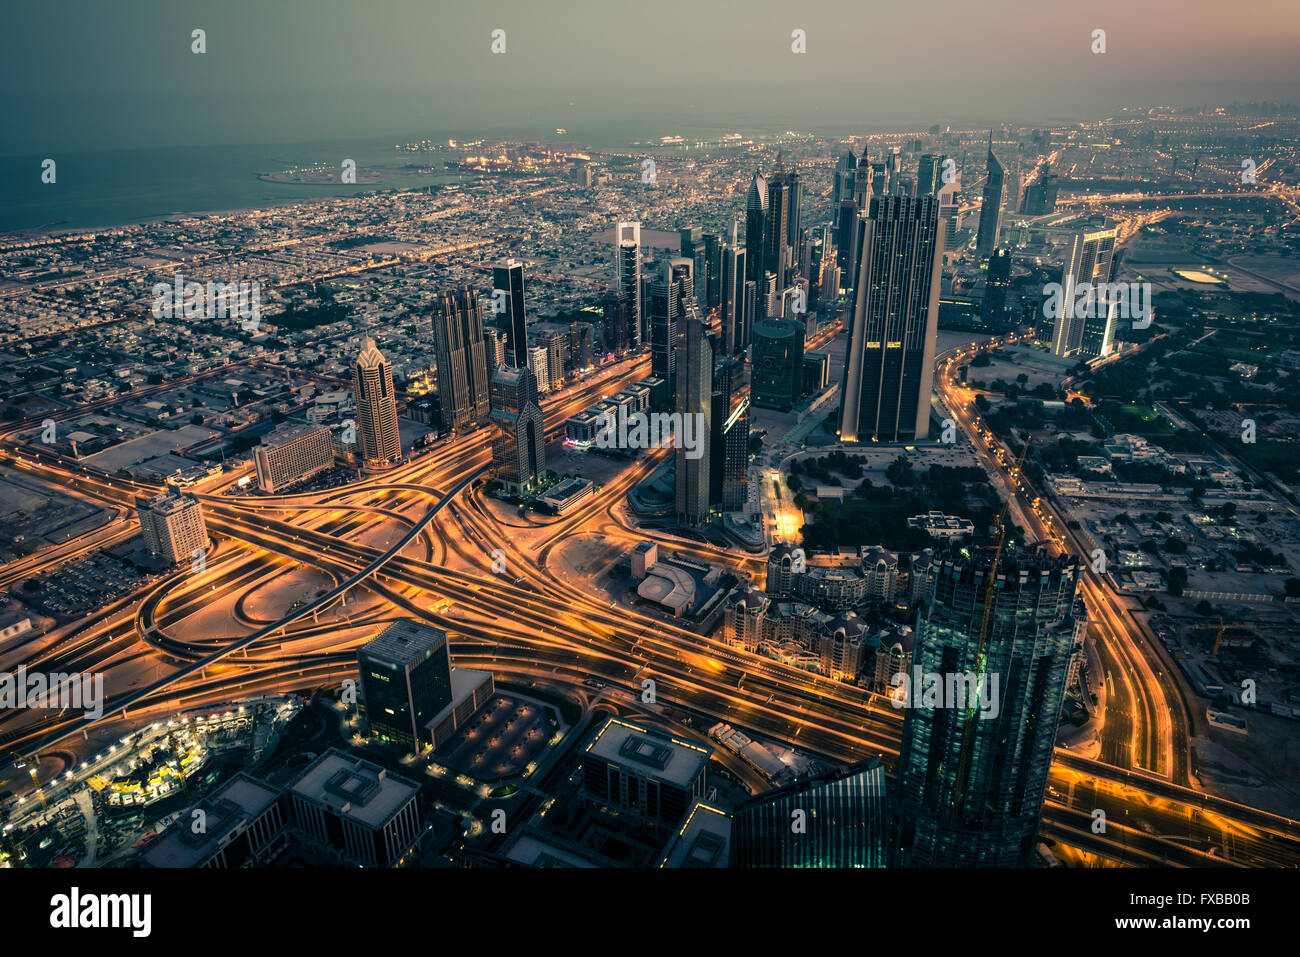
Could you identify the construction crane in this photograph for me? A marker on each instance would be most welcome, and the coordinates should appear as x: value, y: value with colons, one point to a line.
x: 990, y: 594
x: 1220, y: 627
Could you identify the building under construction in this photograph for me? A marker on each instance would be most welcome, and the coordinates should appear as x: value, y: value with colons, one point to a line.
x: 972, y: 773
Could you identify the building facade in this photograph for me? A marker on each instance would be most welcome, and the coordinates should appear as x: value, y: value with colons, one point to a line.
x: 889, y: 370
x: 972, y: 773
x: 372, y: 383
x: 172, y: 526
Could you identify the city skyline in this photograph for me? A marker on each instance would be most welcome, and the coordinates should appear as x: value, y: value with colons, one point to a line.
x: 680, y: 444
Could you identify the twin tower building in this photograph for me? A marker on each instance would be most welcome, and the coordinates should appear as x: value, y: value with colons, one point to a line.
x: 472, y: 390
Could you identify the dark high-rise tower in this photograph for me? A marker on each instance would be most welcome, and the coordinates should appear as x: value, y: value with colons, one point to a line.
x: 756, y: 207
x: 713, y: 245
x: 776, y: 250
x: 616, y: 322
x: 508, y: 277
x: 731, y: 295
x: 518, y: 436
x: 889, y: 369
x: 928, y: 174
x: 665, y: 308
x: 881, y: 181
x: 777, y: 370
x: 729, y: 451
x: 993, y: 309
x: 838, y: 818
x: 627, y: 258
x: 462, y: 359
x: 974, y: 759
x: 846, y: 242
x: 405, y: 676
x: 781, y: 240
x: 991, y: 209
x: 1041, y: 196
x: 843, y: 184
x: 692, y: 248
x: 694, y: 391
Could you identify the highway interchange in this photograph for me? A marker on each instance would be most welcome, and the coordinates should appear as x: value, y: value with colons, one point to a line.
x: 420, y: 541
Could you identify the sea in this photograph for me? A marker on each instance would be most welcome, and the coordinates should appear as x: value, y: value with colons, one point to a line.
x: 129, y: 186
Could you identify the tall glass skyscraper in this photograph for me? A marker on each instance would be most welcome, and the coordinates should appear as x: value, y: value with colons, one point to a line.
x: 777, y: 374
x: 694, y: 390
x: 836, y: 819
x: 518, y: 435
x: 627, y: 257
x: 692, y: 248
x: 991, y: 209
x: 842, y: 186
x: 508, y: 277
x: 928, y: 172
x: 975, y: 754
x: 731, y: 295
x: 666, y: 303
x: 895, y: 320
x: 997, y: 281
x: 756, y: 207
x: 1083, y: 332
x: 372, y: 385
x: 461, y: 353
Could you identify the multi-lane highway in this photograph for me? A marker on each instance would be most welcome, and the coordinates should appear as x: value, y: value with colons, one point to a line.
x: 438, y: 568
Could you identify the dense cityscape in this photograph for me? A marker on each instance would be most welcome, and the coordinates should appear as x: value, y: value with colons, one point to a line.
x: 922, y: 496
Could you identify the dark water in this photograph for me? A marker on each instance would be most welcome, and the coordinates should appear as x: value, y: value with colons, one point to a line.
x: 131, y: 186
x: 122, y: 187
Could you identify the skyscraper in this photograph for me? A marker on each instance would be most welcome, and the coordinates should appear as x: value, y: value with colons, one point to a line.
x: 518, y: 433
x: 880, y: 181
x: 508, y: 278
x: 372, y: 382
x: 777, y: 375
x: 993, y: 309
x: 627, y: 257
x: 694, y: 390
x: 756, y: 227
x: 864, y: 180
x: 928, y: 173
x: 729, y: 451
x: 539, y: 363
x: 1042, y: 194
x: 461, y: 352
x: 1090, y: 260
x: 616, y: 323
x: 495, y: 341
x: 991, y: 208
x: 731, y: 295
x: 670, y: 302
x: 713, y: 246
x: 889, y: 370
x: 843, y: 182
x: 665, y: 309
x: 405, y: 676
x: 838, y: 818
x: 748, y: 314
x: 692, y: 248
x: 978, y: 736
x: 782, y: 226
x: 846, y: 242
x: 172, y: 525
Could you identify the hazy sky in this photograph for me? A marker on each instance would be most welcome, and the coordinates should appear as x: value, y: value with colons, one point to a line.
x: 97, y: 74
